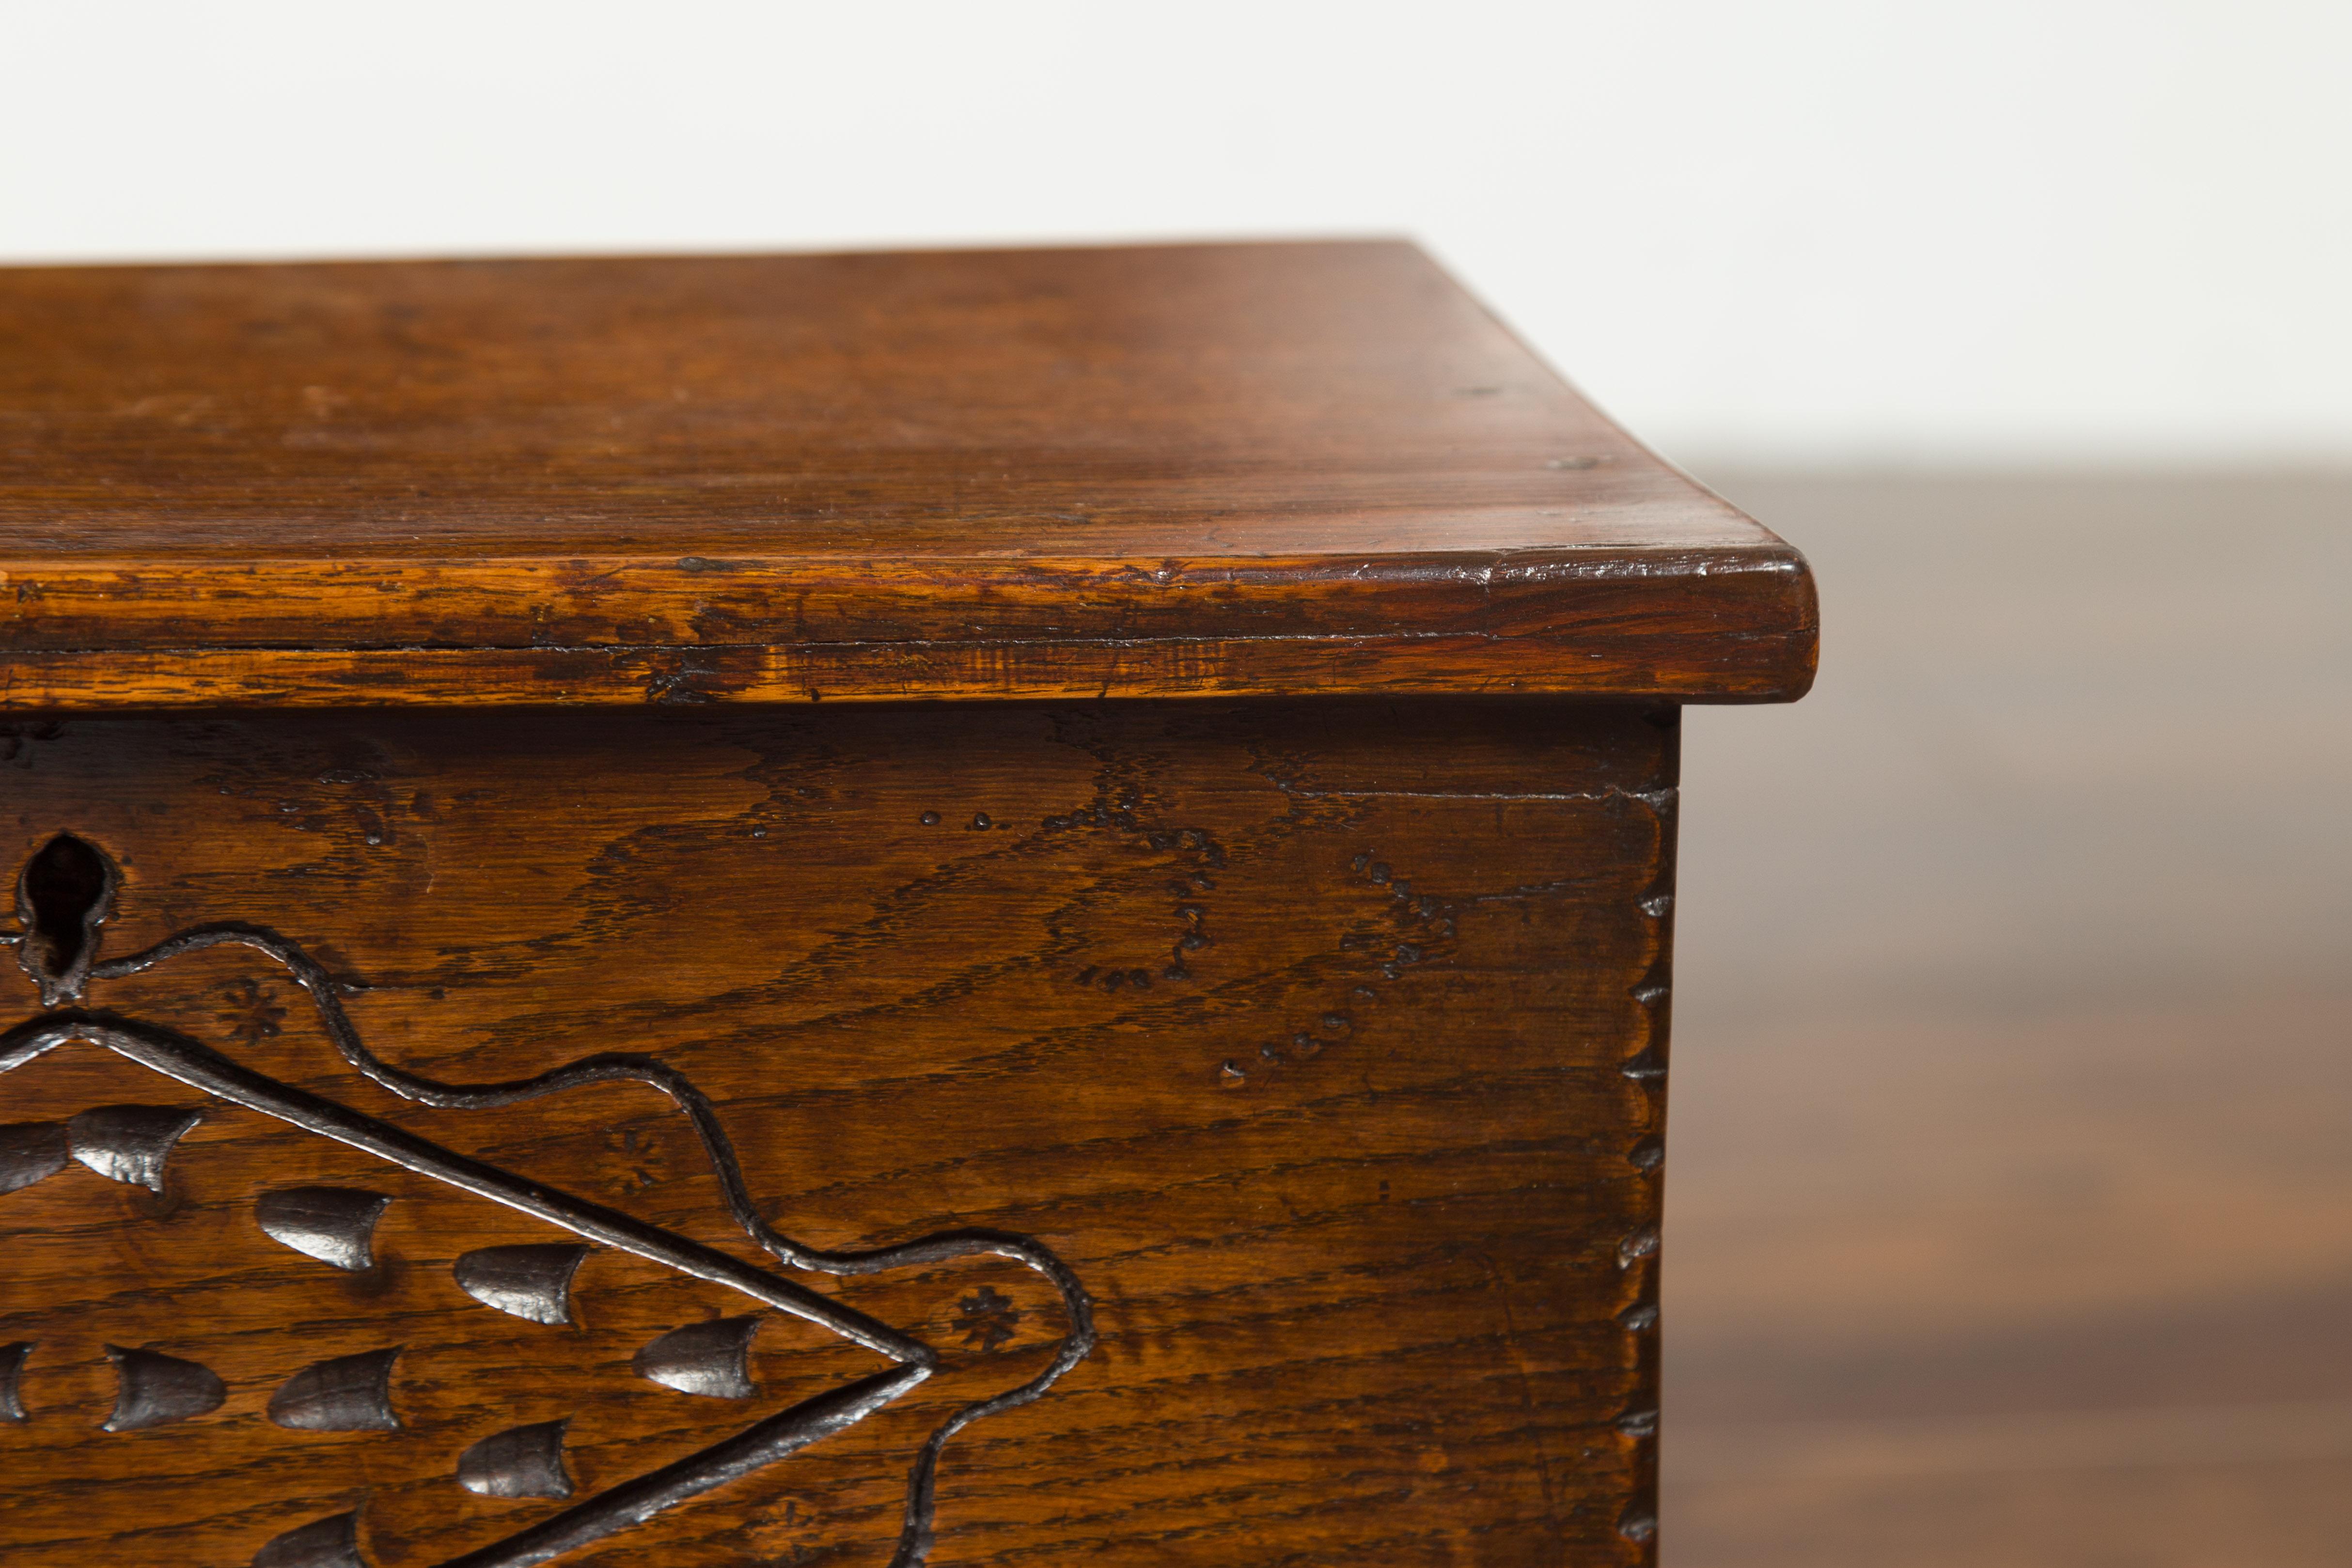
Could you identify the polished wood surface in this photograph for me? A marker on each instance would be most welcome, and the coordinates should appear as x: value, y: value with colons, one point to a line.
x: 2011, y: 1216
x: 756, y: 1117
x: 1190, y: 470
x: 1321, y: 1042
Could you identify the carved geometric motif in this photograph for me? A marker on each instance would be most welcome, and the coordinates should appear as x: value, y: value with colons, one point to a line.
x: 63, y: 898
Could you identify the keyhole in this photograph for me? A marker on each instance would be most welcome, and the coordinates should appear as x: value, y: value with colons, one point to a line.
x: 62, y: 900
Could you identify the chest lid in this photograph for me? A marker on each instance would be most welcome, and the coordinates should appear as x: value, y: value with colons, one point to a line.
x: 1152, y: 472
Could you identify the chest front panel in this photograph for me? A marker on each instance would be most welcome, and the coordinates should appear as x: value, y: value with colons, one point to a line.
x: 1194, y: 1134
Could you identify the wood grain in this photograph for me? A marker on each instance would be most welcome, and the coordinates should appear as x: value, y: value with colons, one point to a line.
x: 2012, y: 1201
x: 1159, y: 471
x: 1323, y: 1041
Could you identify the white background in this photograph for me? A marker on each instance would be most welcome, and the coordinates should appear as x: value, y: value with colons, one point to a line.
x: 1804, y: 231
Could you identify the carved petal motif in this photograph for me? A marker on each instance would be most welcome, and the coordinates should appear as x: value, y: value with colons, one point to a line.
x: 130, y: 1143
x: 521, y: 1461
x: 712, y: 1359
x: 32, y: 1151
x: 533, y: 1282
x: 333, y: 1225
x: 157, y: 1389
x: 12, y: 1366
x: 349, y: 1393
x: 332, y: 1542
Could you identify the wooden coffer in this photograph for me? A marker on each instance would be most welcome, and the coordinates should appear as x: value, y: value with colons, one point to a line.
x: 987, y: 909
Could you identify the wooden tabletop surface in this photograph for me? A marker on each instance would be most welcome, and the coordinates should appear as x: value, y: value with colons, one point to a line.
x: 1171, y: 471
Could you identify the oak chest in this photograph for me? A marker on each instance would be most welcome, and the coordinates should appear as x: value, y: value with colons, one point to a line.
x: 994, y: 909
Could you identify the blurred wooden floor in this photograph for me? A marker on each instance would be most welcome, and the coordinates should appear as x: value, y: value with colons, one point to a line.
x: 2010, y: 1182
